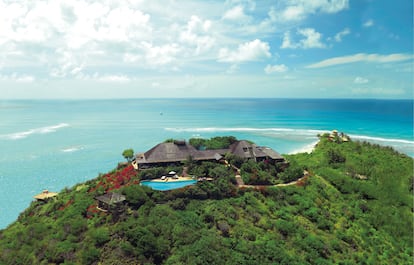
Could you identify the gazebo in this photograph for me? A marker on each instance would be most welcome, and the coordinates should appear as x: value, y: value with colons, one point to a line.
x: 110, y: 202
x: 45, y: 195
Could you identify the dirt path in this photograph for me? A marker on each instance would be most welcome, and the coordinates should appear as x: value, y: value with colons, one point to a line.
x: 292, y: 182
x: 240, y: 182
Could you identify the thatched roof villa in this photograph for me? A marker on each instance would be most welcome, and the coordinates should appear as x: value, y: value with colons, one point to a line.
x: 179, y: 151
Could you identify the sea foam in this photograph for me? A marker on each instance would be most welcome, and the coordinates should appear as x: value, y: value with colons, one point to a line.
x: 72, y: 149
x: 380, y: 139
x: 41, y: 130
x: 248, y: 129
x: 307, y: 135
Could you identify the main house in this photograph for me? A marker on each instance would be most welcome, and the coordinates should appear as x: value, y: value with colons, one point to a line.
x: 176, y: 152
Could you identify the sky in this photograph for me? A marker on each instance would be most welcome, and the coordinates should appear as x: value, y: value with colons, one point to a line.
x: 210, y: 48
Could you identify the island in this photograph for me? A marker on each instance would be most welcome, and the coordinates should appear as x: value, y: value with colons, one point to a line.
x: 346, y: 202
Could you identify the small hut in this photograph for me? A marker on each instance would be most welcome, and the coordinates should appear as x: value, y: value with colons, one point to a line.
x: 111, y: 202
x: 45, y: 195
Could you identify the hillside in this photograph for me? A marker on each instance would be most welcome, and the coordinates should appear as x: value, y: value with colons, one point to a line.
x: 356, y: 207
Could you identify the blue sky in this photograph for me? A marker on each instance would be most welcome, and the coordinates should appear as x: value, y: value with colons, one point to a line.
x: 234, y: 48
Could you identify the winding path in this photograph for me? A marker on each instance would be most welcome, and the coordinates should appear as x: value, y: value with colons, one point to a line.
x: 240, y: 182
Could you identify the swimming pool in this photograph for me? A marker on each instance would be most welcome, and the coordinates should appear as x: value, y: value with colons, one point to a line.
x: 155, y: 185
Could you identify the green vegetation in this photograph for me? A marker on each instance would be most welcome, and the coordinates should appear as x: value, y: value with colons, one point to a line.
x: 356, y: 207
x: 128, y: 154
x: 219, y: 142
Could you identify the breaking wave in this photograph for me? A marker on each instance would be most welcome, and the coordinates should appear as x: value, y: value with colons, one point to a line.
x: 42, y: 130
x: 309, y: 132
x: 301, y: 135
x: 247, y: 129
x: 380, y: 139
x: 72, y: 149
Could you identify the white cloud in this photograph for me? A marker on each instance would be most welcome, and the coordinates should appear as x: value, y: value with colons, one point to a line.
x: 96, y: 22
x: 105, y: 78
x: 113, y: 78
x: 20, y: 23
x: 300, y: 9
x: 155, y: 84
x: 362, y: 57
x: 284, y: 15
x: 133, y: 57
x: 378, y: 91
x: 255, y: 50
x: 248, y: 4
x: 368, y: 23
x: 159, y: 55
x: 73, y: 22
x: 76, y: 70
x: 18, y: 78
x: 278, y: 68
x: 332, y: 6
x: 312, y: 40
x: 236, y: 14
x: 360, y: 80
x: 294, y: 13
x: 127, y: 41
x: 287, y: 42
x: 234, y: 68
x: 197, y: 35
x: 25, y: 79
x: 149, y: 56
x: 72, y: 36
x: 66, y: 63
x: 340, y: 35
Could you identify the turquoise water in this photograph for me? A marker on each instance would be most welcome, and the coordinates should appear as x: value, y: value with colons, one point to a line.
x: 52, y: 144
x: 168, y: 185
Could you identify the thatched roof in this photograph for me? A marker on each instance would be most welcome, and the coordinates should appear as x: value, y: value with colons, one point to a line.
x: 243, y: 149
x: 111, y: 198
x: 167, y: 152
x: 269, y: 152
x: 172, y: 152
x: 45, y: 195
x: 248, y: 150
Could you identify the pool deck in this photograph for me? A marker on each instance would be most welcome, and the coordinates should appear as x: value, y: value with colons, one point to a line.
x: 171, y: 179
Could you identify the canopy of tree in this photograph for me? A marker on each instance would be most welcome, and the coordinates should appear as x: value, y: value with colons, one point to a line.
x: 219, y: 142
x: 128, y: 154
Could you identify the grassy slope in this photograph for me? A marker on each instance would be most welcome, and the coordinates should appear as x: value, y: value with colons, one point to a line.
x: 335, y: 218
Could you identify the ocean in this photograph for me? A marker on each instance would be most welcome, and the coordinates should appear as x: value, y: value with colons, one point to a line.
x: 53, y: 144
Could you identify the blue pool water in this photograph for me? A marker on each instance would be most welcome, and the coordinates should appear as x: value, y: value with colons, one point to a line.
x: 168, y: 185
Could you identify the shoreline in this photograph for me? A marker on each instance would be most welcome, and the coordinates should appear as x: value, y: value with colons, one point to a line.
x: 402, y: 145
x: 305, y: 149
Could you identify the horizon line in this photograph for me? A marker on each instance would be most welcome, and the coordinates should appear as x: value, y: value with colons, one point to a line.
x: 152, y: 98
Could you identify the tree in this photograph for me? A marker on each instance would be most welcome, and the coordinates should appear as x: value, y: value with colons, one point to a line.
x: 136, y: 195
x: 293, y: 172
x: 335, y: 156
x: 198, y: 143
x: 128, y: 154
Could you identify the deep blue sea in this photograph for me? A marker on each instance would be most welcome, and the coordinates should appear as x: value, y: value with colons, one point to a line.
x: 53, y: 144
